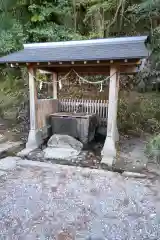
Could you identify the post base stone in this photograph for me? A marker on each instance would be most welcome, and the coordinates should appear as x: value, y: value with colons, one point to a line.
x: 108, y: 152
x: 34, y: 139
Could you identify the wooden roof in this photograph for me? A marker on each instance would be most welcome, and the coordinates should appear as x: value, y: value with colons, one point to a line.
x: 84, y: 50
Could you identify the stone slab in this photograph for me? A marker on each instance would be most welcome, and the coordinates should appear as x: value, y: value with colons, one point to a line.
x: 64, y: 141
x: 134, y: 174
x: 60, y: 153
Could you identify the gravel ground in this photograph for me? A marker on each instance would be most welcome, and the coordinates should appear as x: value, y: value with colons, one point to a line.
x: 46, y: 201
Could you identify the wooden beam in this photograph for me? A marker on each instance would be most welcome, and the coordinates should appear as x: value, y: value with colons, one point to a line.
x: 92, y: 70
x: 128, y: 69
x: 88, y: 64
x: 81, y: 63
x: 82, y: 70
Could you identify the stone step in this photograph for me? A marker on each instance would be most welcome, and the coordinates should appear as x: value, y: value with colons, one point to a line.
x: 7, y: 148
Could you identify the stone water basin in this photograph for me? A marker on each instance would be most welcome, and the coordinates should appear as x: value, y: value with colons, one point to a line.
x: 78, y: 125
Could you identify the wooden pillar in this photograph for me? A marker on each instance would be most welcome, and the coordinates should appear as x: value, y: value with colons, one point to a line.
x: 109, y: 149
x: 32, y: 138
x: 55, y: 79
x: 33, y: 99
x: 117, y: 92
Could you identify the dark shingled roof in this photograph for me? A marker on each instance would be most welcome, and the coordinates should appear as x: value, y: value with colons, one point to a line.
x: 97, y: 49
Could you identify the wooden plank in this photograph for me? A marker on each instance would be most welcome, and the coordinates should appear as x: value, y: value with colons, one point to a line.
x: 44, y: 109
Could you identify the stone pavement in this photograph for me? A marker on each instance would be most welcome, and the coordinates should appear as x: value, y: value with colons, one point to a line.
x: 45, y: 201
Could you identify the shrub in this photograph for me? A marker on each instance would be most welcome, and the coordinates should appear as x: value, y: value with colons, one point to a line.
x: 153, y: 148
x: 139, y: 112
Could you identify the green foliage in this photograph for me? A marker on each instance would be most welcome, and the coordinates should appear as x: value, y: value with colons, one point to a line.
x: 13, y: 92
x: 153, y: 148
x: 64, y: 20
x: 147, y: 7
x: 148, y: 12
x: 139, y: 113
x: 50, y: 32
x: 45, y: 12
x: 11, y: 38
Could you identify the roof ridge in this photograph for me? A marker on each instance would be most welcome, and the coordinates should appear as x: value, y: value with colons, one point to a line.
x: 86, y: 42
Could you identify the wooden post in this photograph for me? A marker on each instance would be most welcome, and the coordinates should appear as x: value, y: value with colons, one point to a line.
x: 55, y: 78
x: 116, y: 133
x: 32, y: 138
x: 33, y: 99
x: 109, y: 149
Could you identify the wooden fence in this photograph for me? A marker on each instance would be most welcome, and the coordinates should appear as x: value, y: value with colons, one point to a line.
x: 98, y: 107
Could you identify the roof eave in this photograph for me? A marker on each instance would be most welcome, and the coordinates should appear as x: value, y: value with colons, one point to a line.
x: 74, y: 60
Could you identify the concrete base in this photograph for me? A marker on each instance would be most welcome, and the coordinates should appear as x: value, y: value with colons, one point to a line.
x: 36, y: 137
x: 108, y: 152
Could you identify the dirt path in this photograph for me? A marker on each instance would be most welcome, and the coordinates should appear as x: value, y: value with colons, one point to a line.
x: 45, y: 201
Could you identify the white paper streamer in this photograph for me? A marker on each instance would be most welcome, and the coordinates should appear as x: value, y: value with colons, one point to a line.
x: 60, y: 84
x: 101, y: 89
x: 40, y: 85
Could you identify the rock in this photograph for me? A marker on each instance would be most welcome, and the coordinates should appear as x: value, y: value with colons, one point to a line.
x: 64, y: 141
x: 65, y: 235
x: 8, y: 163
x: 91, y: 154
x: 62, y: 147
x: 133, y: 174
x: 36, y: 154
x: 60, y: 153
x: 82, y: 156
